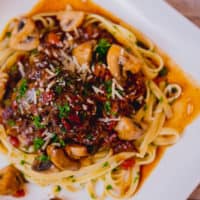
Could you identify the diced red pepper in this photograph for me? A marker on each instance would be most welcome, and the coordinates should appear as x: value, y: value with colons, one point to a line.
x: 112, y: 125
x: 52, y: 38
x: 127, y: 164
x: 66, y: 124
x: 74, y: 118
x: 14, y: 141
x: 47, y: 96
x: 19, y: 193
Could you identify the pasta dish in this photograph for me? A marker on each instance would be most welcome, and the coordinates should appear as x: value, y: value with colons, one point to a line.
x: 84, y: 99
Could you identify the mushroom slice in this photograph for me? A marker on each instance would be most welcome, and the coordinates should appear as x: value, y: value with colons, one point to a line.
x: 127, y: 130
x: 60, y: 160
x: 70, y: 20
x: 119, y: 60
x: 83, y: 52
x: 24, y: 36
x: 76, y: 151
x: 11, y: 180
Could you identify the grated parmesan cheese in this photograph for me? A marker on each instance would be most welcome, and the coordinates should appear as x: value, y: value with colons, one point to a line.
x: 97, y: 90
x: 31, y: 96
x: 106, y: 120
x: 21, y: 69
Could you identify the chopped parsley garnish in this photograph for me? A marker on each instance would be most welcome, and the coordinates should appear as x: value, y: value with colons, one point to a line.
x: 161, y: 99
x: 106, y: 164
x: 163, y: 72
x: 37, y: 122
x: 38, y: 92
x: 136, y: 178
x: 38, y: 143
x: 43, y: 158
x: 13, y: 70
x: 58, y: 188
x: 92, y: 196
x: 55, y: 138
x: 57, y: 70
x: 8, y: 34
x: 89, y: 136
x: 58, y: 89
x: 109, y: 187
x: 102, y: 49
x: 107, y: 106
x: 62, y: 143
x: 34, y: 52
x: 22, y: 88
x: 64, y: 110
x: 22, y: 162
x: 11, y: 123
x: 108, y: 87
x: 145, y: 107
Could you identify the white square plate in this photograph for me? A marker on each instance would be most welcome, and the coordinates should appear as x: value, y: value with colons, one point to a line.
x: 179, y: 171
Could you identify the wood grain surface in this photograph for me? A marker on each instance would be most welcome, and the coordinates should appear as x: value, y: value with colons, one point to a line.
x: 191, y: 10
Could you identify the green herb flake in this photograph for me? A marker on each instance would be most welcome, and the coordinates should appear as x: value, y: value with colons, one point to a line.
x: 57, y: 70
x: 22, y: 88
x: 11, y: 123
x: 58, y: 89
x: 43, y: 158
x: 128, y: 49
x: 137, y: 177
x: 58, y: 188
x: 8, y: 34
x: 89, y: 137
x: 37, y: 122
x: 108, y: 87
x: 102, y: 48
x: 22, y: 162
x: 109, y: 187
x: 64, y: 110
x: 106, y: 164
x: 38, y: 93
x: 163, y: 72
x: 13, y: 70
x: 62, y: 143
x: 38, y: 143
x: 107, y: 106
x: 34, y: 52
x: 145, y: 107
x: 160, y: 100
x: 92, y: 196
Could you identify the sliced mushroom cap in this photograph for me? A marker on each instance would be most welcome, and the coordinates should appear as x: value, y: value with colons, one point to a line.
x: 39, y: 165
x: 83, y: 52
x: 24, y: 36
x: 69, y: 20
x: 76, y: 151
x: 127, y: 130
x: 119, y: 60
x: 60, y: 159
x: 11, y: 180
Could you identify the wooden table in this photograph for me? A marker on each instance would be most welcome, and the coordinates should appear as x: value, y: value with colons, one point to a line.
x: 191, y: 9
